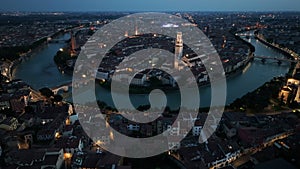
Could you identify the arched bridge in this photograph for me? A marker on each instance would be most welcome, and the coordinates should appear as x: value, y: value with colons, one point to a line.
x: 64, y: 87
x: 279, y: 60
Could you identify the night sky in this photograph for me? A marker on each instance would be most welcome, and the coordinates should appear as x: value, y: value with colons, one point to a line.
x: 150, y: 5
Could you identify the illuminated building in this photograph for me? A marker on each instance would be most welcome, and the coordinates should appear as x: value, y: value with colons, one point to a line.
x: 73, y: 44
x: 136, y: 32
x: 178, y: 51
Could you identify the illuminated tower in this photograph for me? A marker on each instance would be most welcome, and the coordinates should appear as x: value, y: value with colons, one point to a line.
x: 136, y: 31
x: 178, y: 50
x: 179, y: 41
x: 73, y: 44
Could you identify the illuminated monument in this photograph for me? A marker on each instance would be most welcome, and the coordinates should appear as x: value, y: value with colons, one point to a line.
x: 178, y: 51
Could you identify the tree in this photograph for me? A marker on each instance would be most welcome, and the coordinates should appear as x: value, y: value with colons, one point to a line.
x: 46, y: 92
x: 57, y: 98
x: 143, y: 107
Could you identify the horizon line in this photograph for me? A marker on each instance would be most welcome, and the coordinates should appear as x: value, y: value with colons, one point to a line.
x: 135, y: 11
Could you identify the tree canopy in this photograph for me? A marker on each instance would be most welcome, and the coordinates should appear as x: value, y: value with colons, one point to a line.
x: 46, y: 92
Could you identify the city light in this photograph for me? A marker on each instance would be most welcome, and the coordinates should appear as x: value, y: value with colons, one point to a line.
x: 259, y: 53
x: 57, y: 135
x: 67, y: 156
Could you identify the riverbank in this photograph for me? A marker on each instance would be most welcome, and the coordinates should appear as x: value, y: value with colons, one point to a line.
x: 167, y: 89
x: 251, y: 47
x: 18, y: 54
x: 32, y: 51
x: 35, y: 47
x: 265, y: 98
x: 286, y: 52
x: 239, y: 83
x: 65, y: 61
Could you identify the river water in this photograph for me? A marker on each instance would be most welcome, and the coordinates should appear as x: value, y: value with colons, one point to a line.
x: 40, y: 71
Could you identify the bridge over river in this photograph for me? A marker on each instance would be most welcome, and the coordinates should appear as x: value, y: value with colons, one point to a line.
x: 278, y: 59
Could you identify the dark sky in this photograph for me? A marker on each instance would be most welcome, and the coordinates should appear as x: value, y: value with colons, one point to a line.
x: 150, y: 5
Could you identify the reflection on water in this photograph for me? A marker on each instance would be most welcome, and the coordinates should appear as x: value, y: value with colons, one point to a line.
x: 40, y: 70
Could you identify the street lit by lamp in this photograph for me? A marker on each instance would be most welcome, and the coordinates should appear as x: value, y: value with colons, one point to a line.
x: 99, y: 142
x: 57, y: 135
x: 67, y: 156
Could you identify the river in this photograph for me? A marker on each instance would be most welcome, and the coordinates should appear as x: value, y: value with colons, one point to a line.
x: 40, y: 71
